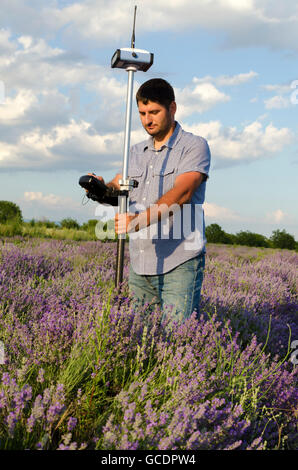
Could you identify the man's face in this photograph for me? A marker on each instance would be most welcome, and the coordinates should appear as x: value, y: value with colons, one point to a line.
x: 156, y: 119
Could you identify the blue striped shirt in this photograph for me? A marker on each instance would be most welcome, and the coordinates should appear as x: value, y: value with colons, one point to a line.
x: 166, y: 244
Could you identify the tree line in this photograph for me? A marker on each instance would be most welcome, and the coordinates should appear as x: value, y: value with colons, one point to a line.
x: 278, y: 239
x: 10, y: 213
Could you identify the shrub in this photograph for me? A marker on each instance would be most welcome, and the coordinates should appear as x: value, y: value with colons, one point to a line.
x: 282, y: 239
x: 46, y: 223
x: 9, y: 212
x: 90, y: 225
x: 251, y: 239
x: 215, y: 234
x: 69, y: 223
x: 11, y: 229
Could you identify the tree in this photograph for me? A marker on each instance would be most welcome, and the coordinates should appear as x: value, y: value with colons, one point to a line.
x: 282, y: 239
x: 251, y: 239
x: 44, y: 222
x: 10, y: 212
x: 215, y: 234
x: 69, y: 223
x: 90, y: 225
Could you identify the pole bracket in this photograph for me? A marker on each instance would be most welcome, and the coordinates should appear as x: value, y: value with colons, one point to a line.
x: 127, y: 184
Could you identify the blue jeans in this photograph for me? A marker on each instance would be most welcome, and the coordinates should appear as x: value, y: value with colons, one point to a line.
x: 179, y: 289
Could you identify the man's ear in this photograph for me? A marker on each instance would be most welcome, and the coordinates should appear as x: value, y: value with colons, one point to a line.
x: 173, y: 108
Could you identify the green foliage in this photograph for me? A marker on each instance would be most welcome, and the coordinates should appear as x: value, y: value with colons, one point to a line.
x: 90, y: 225
x: 278, y: 239
x: 11, y: 229
x: 69, y: 223
x: 10, y: 212
x: 282, y: 239
x: 248, y: 238
x: 215, y: 234
x: 46, y: 223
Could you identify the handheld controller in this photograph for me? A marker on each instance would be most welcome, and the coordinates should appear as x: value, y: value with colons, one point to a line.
x: 98, y: 191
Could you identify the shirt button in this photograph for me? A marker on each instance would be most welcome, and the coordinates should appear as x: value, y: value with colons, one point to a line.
x: 147, y: 182
x: 151, y: 166
x: 141, y: 251
x: 144, y: 199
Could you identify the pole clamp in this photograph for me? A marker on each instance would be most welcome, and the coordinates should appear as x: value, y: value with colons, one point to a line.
x: 128, y: 184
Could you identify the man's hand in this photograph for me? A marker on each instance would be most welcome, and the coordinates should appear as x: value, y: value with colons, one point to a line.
x: 181, y: 193
x: 124, y: 223
x: 100, y: 178
x: 112, y: 184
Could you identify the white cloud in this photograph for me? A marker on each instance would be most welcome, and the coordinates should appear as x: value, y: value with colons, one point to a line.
x: 197, y: 98
x: 214, y: 211
x: 276, y: 216
x: 278, y: 88
x: 7, y: 47
x: 252, y: 142
x: 15, y: 108
x: 31, y: 63
x: 282, y: 99
x: 242, y: 22
x: 202, y: 93
x: 75, y: 145
x: 49, y: 200
x: 42, y: 127
x: 277, y: 102
x: 228, y: 80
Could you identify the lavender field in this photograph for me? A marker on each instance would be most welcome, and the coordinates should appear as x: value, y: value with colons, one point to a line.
x: 83, y: 368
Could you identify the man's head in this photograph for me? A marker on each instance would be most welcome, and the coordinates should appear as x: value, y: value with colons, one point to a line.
x: 156, y: 90
x: 157, y: 107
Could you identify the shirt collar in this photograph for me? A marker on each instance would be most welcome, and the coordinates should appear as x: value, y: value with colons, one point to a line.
x: 170, y: 143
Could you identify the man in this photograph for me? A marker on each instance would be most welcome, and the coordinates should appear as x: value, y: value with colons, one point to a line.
x: 166, y: 220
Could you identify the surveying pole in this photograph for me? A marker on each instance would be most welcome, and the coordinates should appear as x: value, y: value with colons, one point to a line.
x: 131, y: 60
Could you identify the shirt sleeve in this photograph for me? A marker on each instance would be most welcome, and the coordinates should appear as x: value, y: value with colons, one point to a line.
x: 196, y: 157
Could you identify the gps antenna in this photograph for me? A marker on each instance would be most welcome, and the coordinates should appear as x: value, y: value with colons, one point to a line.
x: 133, y: 36
x: 131, y: 60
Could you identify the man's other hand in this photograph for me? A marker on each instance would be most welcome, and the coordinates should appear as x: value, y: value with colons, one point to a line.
x: 125, y: 223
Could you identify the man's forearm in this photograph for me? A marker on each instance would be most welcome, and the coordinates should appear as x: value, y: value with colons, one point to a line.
x: 115, y: 182
x: 167, y: 204
x: 181, y: 193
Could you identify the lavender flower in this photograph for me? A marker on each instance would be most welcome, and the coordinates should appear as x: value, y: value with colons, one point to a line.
x: 78, y: 348
x: 71, y: 424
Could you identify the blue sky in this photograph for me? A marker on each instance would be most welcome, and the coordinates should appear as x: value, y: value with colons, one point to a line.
x: 233, y: 65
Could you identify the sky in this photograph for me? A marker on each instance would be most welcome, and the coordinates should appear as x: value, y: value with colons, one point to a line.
x: 233, y: 66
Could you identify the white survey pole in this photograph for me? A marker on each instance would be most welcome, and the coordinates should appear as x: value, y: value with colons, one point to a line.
x: 132, y: 60
x: 131, y: 70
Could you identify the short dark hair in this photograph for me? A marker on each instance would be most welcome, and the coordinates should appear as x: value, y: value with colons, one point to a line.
x: 156, y: 90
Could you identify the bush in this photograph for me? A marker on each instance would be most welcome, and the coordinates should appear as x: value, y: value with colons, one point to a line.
x: 282, y: 239
x: 12, y: 229
x: 215, y: 234
x: 248, y: 238
x: 90, y: 225
x: 10, y: 212
x: 45, y: 223
x: 69, y: 223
